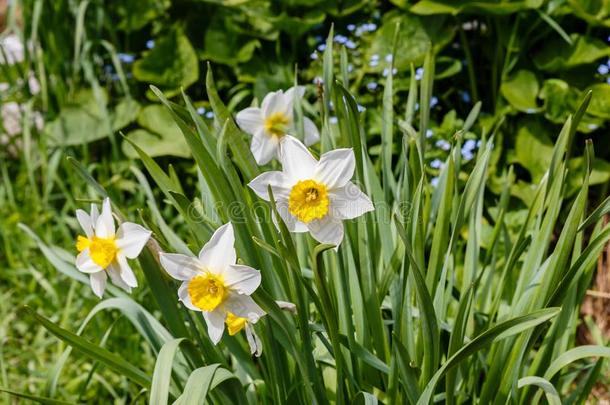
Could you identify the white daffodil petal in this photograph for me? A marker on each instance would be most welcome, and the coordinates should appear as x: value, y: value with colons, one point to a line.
x: 104, y: 227
x: 250, y: 120
x: 244, y: 306
x: 131, y: 239
x: 95, y: 214
x: 264, y: 147
x: 180, y: 267
x: 98, y: 283
x: 290, y: 93
x: 336, y: 168
x: 184, y: 296
x: 277, y: 182
x: 274, y: 102
x: 292, y: 223
x: 312, y: 135
x: 256, y: 347
x: 216, y: 324
x: 243, y: 279
x: 85, y: 222
x: 114, y: 271
x: 297, y: 162
x: 327, y: 230
x: 349, y: 202
x: 219, y: 252
x: 85, y: 263
x: 126, y: 272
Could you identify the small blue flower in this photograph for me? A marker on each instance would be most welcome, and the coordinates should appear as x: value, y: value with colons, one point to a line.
x: 419, y: 73
x: 388, y: 58
x: 434, y: 182
x: 209, y: 114
x: 467, y: 155
x: 603, y: 69
x: 351, y: 27
x: 372, y: 85
x: 443, y: 144
x: 126, y: 57
x: 201, y: 110
x: 341, y: 39
x: 465, y: 96
x: 361, y: 108
x: 436, y: 164
x: 592, y: 126
x: 350, y: 44
x: 433, y: 101
x: 313, y: 56
x: 350, y: 68
x: 469, y: 145
x: 374, y: 57
x: 150, y: 44
x: 373, y: 63
x: 333, y: 120
x: 321, y: 47
x: 429, y: 133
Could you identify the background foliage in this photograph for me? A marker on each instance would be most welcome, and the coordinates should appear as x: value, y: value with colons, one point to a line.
x: 529, y: 63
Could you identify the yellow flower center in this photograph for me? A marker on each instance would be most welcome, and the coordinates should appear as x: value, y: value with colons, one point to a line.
x: 277, y: 124
x: 235, y: 323
x: 308, y: 200
x: 207, y: 291
x: 102, y: 250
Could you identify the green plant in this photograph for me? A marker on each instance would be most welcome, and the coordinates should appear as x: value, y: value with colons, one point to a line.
x: 425, y: 296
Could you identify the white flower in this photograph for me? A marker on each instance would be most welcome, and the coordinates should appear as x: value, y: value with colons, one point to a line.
x: 12, y: 50
x: 270, y: 123
x: 314, y: 196
x: 104, y: 253
x: 214, y: 284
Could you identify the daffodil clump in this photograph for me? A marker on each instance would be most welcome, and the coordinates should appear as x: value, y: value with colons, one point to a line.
x: 300, y: 267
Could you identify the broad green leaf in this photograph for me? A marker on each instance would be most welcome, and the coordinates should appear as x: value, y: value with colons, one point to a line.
x: 222, y: 45
x: 521, y: 90
x: 171, y: 64
x: 135, y: 14
x: 160, y: 136
x: 556, y: 54
x: 82, y: 121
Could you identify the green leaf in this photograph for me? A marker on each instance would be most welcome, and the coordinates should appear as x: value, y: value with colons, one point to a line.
x: 160, y: 136
x: 479, y: 6
x: 111, y: 360
x: 549, y: 390
x: 201, y: 382
x: 35, y: 398
x: 222, y: 45
x: 171, y: 64
x: 82, y: 121
x: 133, y: 15
x: 159, y: 391
x: 520, y: 90
x: 500, y: 331
x: 556, y: 54
x: 533, y: 149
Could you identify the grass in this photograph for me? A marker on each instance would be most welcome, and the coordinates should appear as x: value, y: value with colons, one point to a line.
x: 447, y: 292
x: 427, y: 293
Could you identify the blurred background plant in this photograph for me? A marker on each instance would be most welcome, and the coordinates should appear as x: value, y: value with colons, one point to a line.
x: 75, y: 73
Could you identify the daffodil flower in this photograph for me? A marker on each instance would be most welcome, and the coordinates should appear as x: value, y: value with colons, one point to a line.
x: 214, y: 284
x: 236, y: 323
x: 104, y: 252
x: 272, y: 121
x: 314, y: 196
